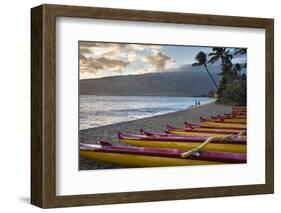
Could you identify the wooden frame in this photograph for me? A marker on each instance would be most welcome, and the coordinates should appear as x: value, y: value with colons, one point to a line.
x: 43, y: 105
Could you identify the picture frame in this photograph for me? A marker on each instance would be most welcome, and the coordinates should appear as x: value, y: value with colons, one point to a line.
x: 43, y: 105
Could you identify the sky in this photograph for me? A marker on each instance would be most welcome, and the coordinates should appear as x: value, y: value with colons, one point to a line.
x: 102, y: 59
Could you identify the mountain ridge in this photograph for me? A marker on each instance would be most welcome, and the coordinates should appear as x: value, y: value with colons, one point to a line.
x: 186, y: 81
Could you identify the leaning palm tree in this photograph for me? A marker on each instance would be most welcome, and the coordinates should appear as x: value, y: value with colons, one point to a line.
x: 201, y: 59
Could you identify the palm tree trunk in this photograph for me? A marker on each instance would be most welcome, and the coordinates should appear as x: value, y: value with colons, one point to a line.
x: 211, y: 76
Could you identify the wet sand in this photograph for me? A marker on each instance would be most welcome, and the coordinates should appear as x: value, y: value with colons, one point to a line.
x: 156, y: 123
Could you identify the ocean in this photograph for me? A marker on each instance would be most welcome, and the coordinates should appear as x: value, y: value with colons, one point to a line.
x: 96, y: 111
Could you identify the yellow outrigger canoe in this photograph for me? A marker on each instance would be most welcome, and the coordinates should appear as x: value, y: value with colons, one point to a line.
x: 214, y: 123
x: 131, y: 160
x: 204, y: 132
x: 212, y: 127
x: 187, y: 133
x: 238, y: 120
x: 154, y: 157
x: 178, y: 143
x: 231, y: 119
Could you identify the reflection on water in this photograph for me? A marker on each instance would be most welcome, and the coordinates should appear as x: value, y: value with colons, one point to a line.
x: 98, y: 111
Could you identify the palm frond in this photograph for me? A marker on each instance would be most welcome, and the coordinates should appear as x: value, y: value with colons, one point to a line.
x: 213, y: 59
x: 240, y: 51
x: 210, y: 54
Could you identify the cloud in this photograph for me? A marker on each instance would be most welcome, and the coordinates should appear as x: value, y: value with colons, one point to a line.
x: 85, y: 51
x: 160, y: 61
x: 100, y: 59
x: 93, y: 65
x: 97, y: 50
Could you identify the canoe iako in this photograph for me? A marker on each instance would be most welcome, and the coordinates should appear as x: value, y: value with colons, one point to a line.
x: 231, y: 144
x: 155, y: 157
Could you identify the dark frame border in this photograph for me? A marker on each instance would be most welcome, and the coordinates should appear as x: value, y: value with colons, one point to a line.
x: 43, y: 105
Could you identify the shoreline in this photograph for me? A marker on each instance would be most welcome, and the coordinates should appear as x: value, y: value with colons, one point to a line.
x: 156, y: 123
x: 147, y: 95
x: 190, y: 107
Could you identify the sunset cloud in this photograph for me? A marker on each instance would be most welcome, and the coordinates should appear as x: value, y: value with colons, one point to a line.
x: 107, y: 59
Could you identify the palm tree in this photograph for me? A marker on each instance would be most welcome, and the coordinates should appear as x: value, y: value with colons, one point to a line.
x: 223, y: 54
x: 201, y: 59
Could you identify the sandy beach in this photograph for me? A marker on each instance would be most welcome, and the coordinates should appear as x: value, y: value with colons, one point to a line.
x: 109, y: 132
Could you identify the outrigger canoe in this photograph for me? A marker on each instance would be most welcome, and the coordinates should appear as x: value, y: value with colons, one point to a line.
x: 172, y: 131
x: 209, y: 126
x: 223, y: 124
x: 155, y: 157
x: 229, y: 119
x: 223, y: 121
x: 233, y: 144
x: 202, y: 132
x: 236, y: 114
x: 231, y: 116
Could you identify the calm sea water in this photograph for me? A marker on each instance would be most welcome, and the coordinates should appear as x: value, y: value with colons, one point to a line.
x: 98, y: 111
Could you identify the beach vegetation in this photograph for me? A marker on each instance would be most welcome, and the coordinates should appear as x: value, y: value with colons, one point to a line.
x: 233, y: 84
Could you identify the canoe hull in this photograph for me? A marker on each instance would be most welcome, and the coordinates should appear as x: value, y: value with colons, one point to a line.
x: 237, y: 148
x: 130, y: 160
